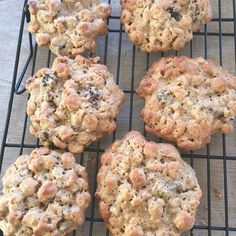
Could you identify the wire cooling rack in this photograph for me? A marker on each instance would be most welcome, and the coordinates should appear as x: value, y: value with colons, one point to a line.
x: 215, y: 164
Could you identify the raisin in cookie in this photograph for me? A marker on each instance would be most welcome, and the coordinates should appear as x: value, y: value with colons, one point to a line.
x: 68, y: 27
x: 188, y: 100
x: 163, y: 25
x: 74, y: 103
x: 146, y: 189
x: 44, y: 193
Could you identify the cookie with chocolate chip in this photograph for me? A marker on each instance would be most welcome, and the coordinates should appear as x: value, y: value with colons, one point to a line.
x: 188, y: 100
x: 68, y: 27
x: 44, y: 193
x: 163, y: 25
x: 73, y: 103
x: 146, y: 188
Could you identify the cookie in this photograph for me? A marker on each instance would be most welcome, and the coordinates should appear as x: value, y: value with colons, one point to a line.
x: 44, y: 193
x: 146, y: 189
x: 188, y: 100
x: 74, y: 103
x: 163, y: 25
x: 68, y: 27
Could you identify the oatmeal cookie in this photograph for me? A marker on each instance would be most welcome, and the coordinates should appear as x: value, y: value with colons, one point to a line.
x: 44, y: 193
x: 188, y: 100
x: 68, y: 27
x: 74, y: 103
x: 163, y: 25
x: 146, y: 189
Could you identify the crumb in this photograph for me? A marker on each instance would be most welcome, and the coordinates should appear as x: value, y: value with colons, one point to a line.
x: 217, y: 193
x: 203, y: 222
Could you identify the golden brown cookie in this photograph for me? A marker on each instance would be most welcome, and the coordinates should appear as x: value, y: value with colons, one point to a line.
x: 68, y: 27
x: 146, y: 189
x: 74, y: 103
x: 44, y: 193
x: 163, y: 25
x: 188, y: 100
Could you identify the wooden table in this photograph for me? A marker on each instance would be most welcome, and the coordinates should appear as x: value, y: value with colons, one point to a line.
x: 10, y: 14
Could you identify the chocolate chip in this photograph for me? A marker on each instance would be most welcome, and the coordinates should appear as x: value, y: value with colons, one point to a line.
x: 176, y: 15
x: 47, y: 79
x: 202, y: 108
x: 221, y: 117
x: 64, y: 24
x: 46, y: 134
x: 28, y: 81
x: 196, y: 10
x: 94, y: 95
x: 62, y: 46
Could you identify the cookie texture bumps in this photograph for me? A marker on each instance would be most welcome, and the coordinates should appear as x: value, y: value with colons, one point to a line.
x: 146, y: 189
x: 74, y: 103
x: 188, y: 100
x: 44, y: 193
x: 68, y: 27
x: 165, y: 24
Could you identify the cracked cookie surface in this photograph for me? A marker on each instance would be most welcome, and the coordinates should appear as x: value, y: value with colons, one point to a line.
x: 146, y: 189
x: 44, y: 193
x: 68, y: 27
x: 164, y: 24
x: 188, y: 100
x: 74, y: 103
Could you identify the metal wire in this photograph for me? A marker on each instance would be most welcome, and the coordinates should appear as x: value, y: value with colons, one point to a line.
x: 17, y: 89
